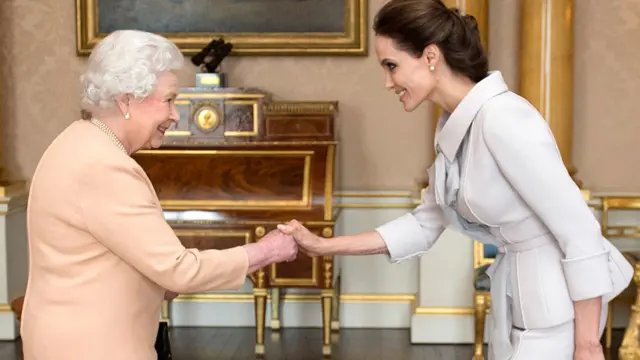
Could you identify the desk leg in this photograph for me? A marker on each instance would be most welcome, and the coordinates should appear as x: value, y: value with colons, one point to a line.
x: 260, y: 299
x: 275, y: 309
x: 630, y: 347
x: 335, y: 319
x: 327, y: 304
x: 327, y: 297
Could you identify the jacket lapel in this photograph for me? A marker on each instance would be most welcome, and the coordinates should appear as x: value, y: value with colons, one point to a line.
x: 454, y: 126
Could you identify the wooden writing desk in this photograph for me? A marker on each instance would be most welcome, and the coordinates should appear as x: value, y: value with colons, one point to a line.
x: 238, y: 164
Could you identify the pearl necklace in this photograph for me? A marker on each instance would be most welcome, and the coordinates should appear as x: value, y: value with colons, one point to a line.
x: 109, y: 133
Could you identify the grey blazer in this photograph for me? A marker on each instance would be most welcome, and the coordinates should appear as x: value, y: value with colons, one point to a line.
x: 499, y: 178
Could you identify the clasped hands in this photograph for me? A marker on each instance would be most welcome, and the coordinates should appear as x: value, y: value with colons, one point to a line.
x: 285, y: 242
x: 278, y: 246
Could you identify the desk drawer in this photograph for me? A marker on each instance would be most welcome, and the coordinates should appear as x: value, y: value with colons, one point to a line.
x: 305, y: 271
x: 218, y: 239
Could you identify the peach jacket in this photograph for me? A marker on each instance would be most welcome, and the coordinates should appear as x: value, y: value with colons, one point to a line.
x: 101, y: 255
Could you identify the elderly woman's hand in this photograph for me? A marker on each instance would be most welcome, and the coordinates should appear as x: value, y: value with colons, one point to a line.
x: 282, y: 247
x: 274, y: 247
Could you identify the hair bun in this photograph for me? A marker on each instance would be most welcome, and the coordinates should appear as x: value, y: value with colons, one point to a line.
x: 468, y: 20
x: 455, y: 12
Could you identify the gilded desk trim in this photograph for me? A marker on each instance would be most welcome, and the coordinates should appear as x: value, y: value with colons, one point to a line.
x: 215, y: 232
x: 328, y: 185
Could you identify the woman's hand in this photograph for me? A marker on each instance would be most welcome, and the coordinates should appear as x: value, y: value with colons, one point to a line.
x: 588, y: 352
x: 274, y: 247
x: 310, y: 243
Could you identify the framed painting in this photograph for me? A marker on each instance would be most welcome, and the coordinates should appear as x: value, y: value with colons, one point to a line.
x: 254, y: 27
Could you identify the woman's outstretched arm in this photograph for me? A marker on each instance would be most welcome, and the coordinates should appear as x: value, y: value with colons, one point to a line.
x: 405, y: 237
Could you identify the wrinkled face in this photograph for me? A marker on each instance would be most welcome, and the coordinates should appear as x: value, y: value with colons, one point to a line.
x: 409, y: 76
x: 151, y: 117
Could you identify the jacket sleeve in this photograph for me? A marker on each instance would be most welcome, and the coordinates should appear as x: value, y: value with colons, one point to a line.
x: 413, y: 234
x: 119, y: 208
x: 525, y: 150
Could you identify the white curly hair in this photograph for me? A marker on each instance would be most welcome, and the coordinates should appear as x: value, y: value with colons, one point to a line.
x: 126, y: 62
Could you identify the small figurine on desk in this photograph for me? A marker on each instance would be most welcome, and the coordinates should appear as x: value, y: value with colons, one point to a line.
x: 208, y: 60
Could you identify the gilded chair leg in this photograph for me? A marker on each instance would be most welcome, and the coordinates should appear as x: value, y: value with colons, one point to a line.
x: 275, y: 309
x: 630, y: 347
x: 609, y: 327
x: 480, y: 302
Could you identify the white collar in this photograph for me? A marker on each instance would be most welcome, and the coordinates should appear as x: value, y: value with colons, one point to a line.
x: 458, y: 122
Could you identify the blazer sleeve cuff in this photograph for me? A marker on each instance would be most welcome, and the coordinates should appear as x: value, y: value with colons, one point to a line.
x: 239, y: 274
x: 588, y: 277
x: 404, y: 238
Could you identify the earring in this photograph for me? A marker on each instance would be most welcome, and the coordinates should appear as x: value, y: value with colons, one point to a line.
x: 432, y: 68
x: 127, y: 115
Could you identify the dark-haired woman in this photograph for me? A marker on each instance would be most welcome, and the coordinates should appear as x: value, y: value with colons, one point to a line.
x: 498, y: 178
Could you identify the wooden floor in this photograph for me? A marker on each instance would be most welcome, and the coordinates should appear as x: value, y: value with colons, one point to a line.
x: 298, y: 344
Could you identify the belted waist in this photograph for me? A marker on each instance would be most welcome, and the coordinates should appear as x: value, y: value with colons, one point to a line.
x: 520, y: 246
x: 498, y: 271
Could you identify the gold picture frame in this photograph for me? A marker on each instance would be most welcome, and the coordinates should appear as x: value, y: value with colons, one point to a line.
x: 350, y: 42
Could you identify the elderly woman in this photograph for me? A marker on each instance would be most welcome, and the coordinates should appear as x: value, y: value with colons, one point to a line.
x: 101, y: 255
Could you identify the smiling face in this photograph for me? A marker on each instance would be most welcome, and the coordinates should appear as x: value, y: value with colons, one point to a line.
x: 409, y: 76
x: 151, y: 117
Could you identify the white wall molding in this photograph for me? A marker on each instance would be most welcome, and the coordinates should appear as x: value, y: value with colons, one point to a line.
x: 445, y: 298
x: 14, y: 260
x: 297, y: 310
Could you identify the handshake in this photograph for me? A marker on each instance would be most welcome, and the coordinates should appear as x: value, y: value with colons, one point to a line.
x: 282, y: 245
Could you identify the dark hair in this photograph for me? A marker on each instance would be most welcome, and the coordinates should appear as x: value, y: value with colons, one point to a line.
x: 415, y: 24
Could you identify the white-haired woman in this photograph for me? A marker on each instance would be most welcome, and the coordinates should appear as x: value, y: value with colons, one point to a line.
x: 101, y: 255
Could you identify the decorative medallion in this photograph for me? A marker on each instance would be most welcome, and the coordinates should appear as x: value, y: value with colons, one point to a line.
x: 207, y: 116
